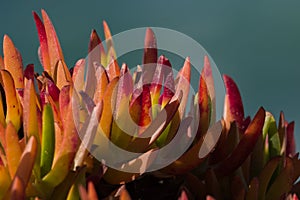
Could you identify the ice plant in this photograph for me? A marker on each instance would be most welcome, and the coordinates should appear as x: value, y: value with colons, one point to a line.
x: 49, y: 120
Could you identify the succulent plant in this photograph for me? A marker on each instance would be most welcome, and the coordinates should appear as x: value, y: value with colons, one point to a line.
x: 51, y: 125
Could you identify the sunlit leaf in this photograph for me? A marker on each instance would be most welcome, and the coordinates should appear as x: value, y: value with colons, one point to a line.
x: 30, y: 110
x: 150, y: 55
x: 273, y: 136
x: 13, y: 61
x: 182, y: 83
x: 62, y: 76
x: 13, y: 149
x: 233, y: 106
x: 109, y: 42
x: 169, y: 84
x: 54, y: 49
x: 102, y: 82
x: 1, y: 62
x: 78, y: 75
x: 204, y: 107
x: 27, y: 161
x: 14, y: 110
x: 113, y: 69
x: 209, y: 80
x: 43, y: 50
x: 5, y: 181
x: 108, y: 102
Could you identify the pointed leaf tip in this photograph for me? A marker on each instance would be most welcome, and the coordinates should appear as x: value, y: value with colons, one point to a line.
x: 233, y: 108
x: 13, y: 61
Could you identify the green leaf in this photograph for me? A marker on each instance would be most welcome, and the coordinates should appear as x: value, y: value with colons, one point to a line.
x: 273, y: 136
x: 48, y: 140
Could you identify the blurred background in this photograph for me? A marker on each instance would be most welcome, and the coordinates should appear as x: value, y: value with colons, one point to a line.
x: 255, y: 42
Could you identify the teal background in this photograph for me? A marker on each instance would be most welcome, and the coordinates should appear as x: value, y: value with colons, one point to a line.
x: 255, y: 42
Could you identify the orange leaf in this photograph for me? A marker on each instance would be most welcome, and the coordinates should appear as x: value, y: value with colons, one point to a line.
x: 113, y: 69
x: 108, y: 104
x: 109, y: 42
x: 54, y: 49
x: 30, y: 111
x: 13, y: 61
x: 182, y: 83
x: 13, y: 150
x: 14, y: 110
x: 102, y: 82
x: 62, y: 76
x: 5, y: 180
x: 78, y: 75
x: 1, y: 63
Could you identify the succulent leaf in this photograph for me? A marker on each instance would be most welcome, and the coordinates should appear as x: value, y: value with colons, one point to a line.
x: 48, y: 140
x: 233, y: 106
x: 14, y: 110
x: 13, y: 61
x: 54, y: 49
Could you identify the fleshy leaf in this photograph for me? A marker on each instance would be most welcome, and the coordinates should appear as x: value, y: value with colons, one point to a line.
x: 198, y: 152
x: 16, y: 191
x: 30, y: 111
x: 78, y: 75
x: 204, y: 107
x: 1, y: 63
x: 2, y: 116
x: 64, y: 157
x: 27, y: 161
x: 109, y: 42
x: 233, y: 106
x: 273, y: 136
x: 155, y: 129
x: 150, y: 55
x: 113, y: 69
x: 5, y: 181
x: 123, y: 123
x: 54, y: 49
x: 182, y: 83
x: 14, y: 110
x: 102, y: 82
x: 156, y: 84
x: 245, y: 146
x: 169, y: 84
x: 209, y: 80
x: 13, y: 61
x: 94, y: 55
x: 266, y: 175
x: 87, y: 133
x: 90, y: 194
x: 48, y: 140
x: 277, y: 189
x: 108, y: 102
x: 62, y: 76
x: 290, y: 143
x: 43, y: 50
x: 13, y: 149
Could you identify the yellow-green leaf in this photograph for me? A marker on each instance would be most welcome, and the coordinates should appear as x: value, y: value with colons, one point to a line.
x: 14, y: 110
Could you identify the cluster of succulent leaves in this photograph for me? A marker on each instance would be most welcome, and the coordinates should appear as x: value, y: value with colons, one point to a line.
x: 42, y: 156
